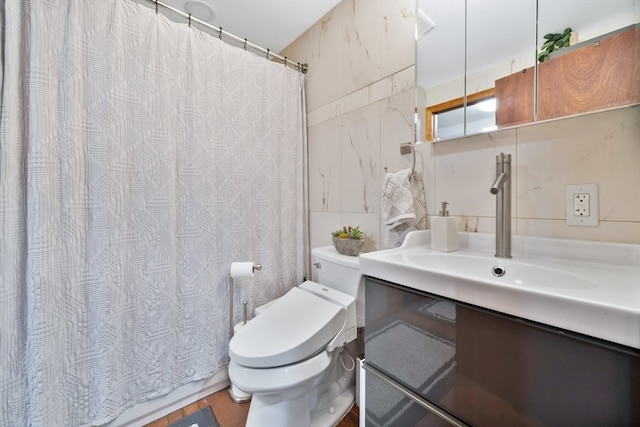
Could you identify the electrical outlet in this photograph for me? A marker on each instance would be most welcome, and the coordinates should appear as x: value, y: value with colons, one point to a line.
x: 582, y: 205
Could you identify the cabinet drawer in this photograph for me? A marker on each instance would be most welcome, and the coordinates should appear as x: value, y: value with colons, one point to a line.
x: 388, y: 406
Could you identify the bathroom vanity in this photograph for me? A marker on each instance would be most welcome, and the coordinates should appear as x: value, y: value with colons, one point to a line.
x: 548, y: 338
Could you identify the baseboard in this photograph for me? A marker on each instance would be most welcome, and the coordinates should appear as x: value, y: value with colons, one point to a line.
x: 146, y: 412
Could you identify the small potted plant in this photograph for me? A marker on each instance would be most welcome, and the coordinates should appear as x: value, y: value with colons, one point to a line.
x: 348, y: 240
x: 553, y: 42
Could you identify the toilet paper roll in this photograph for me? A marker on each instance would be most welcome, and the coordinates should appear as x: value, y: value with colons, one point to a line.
x: 241, y: 269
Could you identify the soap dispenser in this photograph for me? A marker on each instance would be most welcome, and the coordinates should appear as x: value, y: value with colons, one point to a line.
x: 444, y: 231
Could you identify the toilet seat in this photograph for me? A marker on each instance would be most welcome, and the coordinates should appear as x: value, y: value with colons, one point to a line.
x: 286, y: 333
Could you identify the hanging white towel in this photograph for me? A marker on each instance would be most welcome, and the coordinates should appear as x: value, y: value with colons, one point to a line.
x: 403, y: 206
x: 397, y: 198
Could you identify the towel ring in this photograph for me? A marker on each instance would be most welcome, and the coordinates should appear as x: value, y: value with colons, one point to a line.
x: 407, y: 148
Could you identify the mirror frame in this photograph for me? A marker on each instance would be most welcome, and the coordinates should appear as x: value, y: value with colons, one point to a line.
x: 453, y: 104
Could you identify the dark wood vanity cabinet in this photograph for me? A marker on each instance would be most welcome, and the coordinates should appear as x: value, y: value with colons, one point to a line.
x: 591, y: 76
x: 433, y: 361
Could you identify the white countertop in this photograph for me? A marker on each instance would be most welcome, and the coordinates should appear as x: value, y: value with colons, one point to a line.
x: 592, y: 288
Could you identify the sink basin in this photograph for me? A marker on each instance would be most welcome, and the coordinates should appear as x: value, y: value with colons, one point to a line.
x: 592, y: 288
x: 500, y: 271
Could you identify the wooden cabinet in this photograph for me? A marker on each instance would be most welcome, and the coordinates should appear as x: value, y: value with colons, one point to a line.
x: 592, y: 76
x: 515, y: 98
x: 599, y: 75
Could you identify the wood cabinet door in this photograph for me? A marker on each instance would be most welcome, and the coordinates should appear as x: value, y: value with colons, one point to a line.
x: 514, y: 98
x: 597, y: 76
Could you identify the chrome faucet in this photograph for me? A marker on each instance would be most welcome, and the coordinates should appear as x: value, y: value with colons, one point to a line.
x: 502, y: 189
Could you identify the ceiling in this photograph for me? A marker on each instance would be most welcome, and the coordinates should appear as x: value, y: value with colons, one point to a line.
x: 271, y: 24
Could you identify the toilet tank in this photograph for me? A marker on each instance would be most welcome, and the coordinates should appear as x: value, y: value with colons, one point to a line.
x: 340, y: 272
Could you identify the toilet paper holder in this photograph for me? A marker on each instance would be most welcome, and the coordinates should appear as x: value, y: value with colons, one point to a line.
x: 255, y: 267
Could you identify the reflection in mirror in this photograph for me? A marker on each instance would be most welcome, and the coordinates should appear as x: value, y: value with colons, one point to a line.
x: 499, y: 50
x: 499, y: 39
x: 588, y: 19
x: 446, y: 120
x: 440, y: 57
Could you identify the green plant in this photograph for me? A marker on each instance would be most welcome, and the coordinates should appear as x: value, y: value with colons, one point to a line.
x: 554, y: 41
x: 348, y: 232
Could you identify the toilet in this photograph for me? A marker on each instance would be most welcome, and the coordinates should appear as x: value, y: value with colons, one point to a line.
x: 292, y: 357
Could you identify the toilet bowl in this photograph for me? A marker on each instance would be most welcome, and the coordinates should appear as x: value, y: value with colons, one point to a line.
x: 291, y: 358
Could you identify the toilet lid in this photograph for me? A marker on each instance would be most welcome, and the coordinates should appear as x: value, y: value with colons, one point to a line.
x: 297, y: 326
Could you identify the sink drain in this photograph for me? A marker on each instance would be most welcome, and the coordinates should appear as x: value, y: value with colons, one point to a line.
x: 498, y: 271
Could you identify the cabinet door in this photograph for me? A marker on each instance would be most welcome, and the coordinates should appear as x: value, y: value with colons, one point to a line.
x: 599, y: 75
x: 514, y: 98
x: 490, y: 369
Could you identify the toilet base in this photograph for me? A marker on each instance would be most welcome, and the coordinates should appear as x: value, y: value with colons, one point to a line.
x: 286, y: 413
x: 237, y: 395
x: 322, y: 403
x: 333, y: 413
x: 296, y: 413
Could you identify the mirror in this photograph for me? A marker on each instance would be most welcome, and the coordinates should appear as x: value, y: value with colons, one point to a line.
x: 501, y: 42
x: 466, y: 49
x: 440, y: 42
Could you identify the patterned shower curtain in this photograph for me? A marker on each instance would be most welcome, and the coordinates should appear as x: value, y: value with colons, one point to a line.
x: 138, y: 158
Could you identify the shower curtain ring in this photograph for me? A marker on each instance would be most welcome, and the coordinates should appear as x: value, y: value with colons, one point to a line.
x: 285, y: 61
x: 220, y: 35
x: 156, y: 6
x: 245, y: 44
x: 189, y: 19
x: 267, y: 54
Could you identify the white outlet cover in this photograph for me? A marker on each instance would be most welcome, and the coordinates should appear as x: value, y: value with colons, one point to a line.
x: 586, y: 221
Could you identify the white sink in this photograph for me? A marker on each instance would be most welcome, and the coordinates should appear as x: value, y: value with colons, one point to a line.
x: 503, y: 272
x: 587, y: 287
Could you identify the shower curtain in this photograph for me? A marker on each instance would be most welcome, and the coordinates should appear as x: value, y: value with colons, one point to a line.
x: 139, y: 157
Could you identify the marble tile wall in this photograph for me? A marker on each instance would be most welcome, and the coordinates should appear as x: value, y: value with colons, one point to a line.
x: 360, y: 103
x: 601, y: 148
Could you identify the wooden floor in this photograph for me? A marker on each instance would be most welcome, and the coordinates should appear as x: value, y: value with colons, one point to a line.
x: 231, y: 414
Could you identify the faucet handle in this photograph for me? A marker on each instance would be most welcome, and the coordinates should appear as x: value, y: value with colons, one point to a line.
x: 503, y: 158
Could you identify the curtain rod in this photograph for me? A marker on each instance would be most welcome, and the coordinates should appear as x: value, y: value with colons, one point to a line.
x: 302, y: 68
